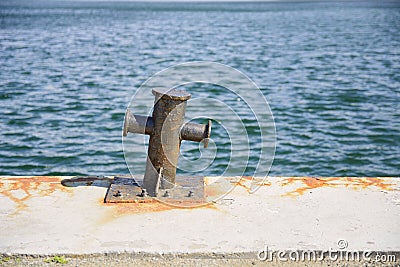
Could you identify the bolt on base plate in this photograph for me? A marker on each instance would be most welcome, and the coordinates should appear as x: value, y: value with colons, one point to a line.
x: 188, y: 190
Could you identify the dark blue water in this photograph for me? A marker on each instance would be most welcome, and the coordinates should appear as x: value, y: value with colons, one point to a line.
x: 330, y: 71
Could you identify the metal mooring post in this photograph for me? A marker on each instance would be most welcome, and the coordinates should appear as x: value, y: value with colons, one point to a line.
x: 166, y: 129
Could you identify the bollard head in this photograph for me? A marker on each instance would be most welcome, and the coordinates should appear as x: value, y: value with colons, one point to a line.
x: 172, y: 94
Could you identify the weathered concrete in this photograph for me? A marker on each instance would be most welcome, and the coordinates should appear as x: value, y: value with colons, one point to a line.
x: 38, y: 215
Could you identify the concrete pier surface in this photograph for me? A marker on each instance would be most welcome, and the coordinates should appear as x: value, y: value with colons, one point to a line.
x: 39, y: 217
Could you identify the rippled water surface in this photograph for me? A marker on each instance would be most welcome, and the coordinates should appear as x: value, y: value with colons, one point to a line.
x: 330, y: 72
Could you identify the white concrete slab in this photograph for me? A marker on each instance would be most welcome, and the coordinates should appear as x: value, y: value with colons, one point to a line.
x: 38, y: 215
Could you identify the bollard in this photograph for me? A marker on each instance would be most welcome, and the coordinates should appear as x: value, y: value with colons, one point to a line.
x: 166, y: 129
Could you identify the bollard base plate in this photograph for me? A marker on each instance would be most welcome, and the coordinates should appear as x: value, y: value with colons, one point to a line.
x: 188, y: 190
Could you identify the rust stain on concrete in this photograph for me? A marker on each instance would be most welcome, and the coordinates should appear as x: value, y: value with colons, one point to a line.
x: 246, y: 182
x: 223, y: 186
x: 355, y: 183
x: 21, y: 189
x: 358, y: 183
x: 121, y: 209
x: 118, y: 210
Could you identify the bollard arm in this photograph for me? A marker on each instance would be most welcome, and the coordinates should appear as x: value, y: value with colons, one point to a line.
x: 196, y: 132
x: 137, y: 124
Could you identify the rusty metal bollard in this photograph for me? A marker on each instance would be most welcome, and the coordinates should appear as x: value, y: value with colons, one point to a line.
x: 166, y: 129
